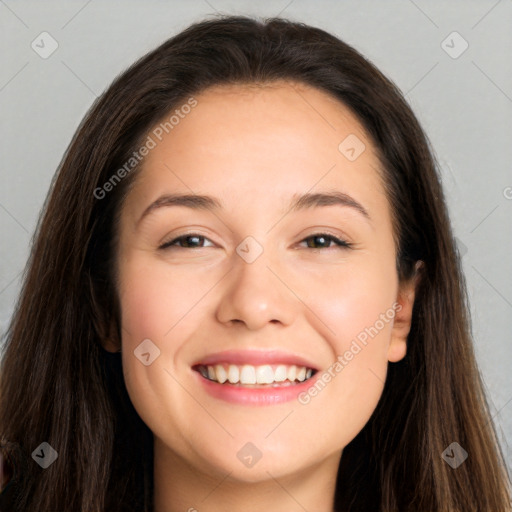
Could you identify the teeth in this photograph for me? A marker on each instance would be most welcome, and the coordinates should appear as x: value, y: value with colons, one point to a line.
x: 301, y: 374
x: 280, y: 373
x: 248, y: 374
x: 220, y: 374
x: 233, y: 374
x: 264, y: 374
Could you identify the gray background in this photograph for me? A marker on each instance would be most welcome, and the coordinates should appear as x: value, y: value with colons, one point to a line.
x: 463, y: 103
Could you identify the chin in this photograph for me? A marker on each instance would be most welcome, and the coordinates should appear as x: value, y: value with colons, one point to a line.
x: 249, y: 464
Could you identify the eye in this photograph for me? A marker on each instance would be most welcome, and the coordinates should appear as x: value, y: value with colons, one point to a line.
x: 196, y: 241
x: 188, y: 241
x: 324, y: 239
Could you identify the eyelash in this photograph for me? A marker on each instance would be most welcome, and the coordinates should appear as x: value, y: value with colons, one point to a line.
x: 342, y: 244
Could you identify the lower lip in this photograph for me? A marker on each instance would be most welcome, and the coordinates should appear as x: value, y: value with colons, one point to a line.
x: 254, y: 396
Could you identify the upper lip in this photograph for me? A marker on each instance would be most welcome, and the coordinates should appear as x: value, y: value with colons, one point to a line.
x: 255, y: 358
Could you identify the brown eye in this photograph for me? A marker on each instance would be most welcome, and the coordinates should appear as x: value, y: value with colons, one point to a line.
x: 324, y: 240
x: 189, y: 241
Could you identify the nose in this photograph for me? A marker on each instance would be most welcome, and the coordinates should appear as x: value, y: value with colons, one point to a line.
x: 256, y: 294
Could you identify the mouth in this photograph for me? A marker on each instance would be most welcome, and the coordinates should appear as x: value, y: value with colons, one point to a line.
x: 255, y: 376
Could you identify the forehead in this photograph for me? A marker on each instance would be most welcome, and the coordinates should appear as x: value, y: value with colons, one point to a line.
x: 262, y: 140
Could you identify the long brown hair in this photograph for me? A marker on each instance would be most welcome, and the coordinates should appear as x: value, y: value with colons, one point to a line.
x: 59, y: 385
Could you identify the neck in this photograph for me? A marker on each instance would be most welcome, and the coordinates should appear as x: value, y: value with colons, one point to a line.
x: 181, y: 487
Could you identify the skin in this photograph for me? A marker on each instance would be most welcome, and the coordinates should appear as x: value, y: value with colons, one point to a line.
x: 253, y: 148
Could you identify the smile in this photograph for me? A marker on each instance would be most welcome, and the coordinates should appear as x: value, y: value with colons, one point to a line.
x: 256, y: 376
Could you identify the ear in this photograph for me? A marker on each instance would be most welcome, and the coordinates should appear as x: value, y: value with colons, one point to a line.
x: 108, y: 344
x: 403, y: 317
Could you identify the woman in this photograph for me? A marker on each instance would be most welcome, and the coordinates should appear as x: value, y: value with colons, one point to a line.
x: 244, y: 292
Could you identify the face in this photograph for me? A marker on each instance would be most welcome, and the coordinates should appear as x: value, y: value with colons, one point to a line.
x: 301, y: 303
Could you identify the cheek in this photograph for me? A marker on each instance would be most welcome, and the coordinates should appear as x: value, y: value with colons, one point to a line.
x: 355, y: 304
x: 352, y: 299
x: 160, y: 306
x: 345, y: 395
x: 155, y: 298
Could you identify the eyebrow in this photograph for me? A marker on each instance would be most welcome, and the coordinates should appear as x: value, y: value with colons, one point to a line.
x: 298, y: 202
